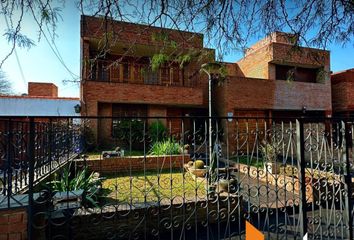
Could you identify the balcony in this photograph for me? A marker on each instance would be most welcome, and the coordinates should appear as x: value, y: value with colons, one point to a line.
x: 133, y: 82
x: 140, y: 73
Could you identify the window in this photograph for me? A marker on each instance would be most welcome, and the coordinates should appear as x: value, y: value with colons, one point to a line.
x: 129, y: 110
x: 298, y: 74
x: 103, y: 71
x: 283, y: 72
x: 128, y: 129
x: 126, y: 72
x: 165, y: 75
x: 150, y: 77
x: 306, y: 74
x: 175, y: 76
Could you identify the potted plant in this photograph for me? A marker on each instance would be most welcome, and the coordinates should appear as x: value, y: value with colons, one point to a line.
x: 74, y: 191
x: 198, y: 169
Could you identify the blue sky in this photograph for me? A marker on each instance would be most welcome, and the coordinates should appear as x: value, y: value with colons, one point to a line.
x: 40, y: 64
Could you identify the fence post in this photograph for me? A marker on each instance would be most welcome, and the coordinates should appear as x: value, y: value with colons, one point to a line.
x: 348, y: 178
x: 9, y: 158
x: 300, y: 153
x: 31, y: 159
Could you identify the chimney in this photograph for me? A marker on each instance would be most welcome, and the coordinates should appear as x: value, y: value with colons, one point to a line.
x: 38, y: 89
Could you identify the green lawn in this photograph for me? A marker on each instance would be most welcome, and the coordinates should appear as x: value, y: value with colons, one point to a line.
x: 247, y: 160
x: 153, y: 187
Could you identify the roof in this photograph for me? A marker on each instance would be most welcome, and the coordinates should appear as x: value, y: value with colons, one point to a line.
x: 38, y: 97
x: 343, y: 71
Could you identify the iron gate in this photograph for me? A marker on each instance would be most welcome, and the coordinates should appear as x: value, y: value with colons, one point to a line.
x: 288, y: 177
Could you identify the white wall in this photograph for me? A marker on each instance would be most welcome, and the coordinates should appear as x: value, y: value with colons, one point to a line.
x: 37, y: 107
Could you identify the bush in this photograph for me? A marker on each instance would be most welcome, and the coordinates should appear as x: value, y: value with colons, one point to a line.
x: 199, y: 164
x: 90, y: 184
x: 157, y: 131
x: 269, y: 152
x: 129, y: 132
x: 168, y: 147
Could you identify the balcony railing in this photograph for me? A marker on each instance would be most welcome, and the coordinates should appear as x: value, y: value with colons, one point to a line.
x: 136, y: 73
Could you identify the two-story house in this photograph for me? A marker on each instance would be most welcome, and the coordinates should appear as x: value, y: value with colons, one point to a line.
x: 118, y: 78
x: 274, y: 79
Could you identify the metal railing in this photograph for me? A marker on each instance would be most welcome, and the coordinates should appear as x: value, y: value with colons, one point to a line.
x: 137, y: 73
x: 155, y: 179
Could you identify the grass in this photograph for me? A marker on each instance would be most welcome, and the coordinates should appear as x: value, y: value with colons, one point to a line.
x: 165, y: 148
x: 152, y: 187
x: 247, y: 160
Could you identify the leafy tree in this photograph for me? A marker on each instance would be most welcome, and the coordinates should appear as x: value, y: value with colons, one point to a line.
x: 227, y: 25
x: 5, y: 85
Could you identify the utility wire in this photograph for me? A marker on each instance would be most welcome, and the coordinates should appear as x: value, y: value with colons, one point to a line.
x: 56, y: 53
x: 59, y: 57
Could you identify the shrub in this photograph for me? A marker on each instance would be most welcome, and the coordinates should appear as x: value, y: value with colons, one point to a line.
x: 168, y: 147
x: 129, y: 132
x: 199, y: 164
x: 90, y: 184
x: 157, y: 131
x: 269, y: 152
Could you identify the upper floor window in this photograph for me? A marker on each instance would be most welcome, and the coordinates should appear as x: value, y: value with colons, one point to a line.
x: 150, y: 77
x: 126, y: 72
x: 298, y: 74
x: 165, y: 75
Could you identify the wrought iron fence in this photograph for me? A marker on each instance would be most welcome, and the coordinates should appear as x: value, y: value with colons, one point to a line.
x: 157, y: 178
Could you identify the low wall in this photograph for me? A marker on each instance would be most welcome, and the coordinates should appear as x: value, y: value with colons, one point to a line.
x: 136, y: 163
x: 13, y: 224
x: 150, y: 221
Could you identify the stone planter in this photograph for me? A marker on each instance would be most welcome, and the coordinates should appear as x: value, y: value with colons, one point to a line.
x: 198, y: 172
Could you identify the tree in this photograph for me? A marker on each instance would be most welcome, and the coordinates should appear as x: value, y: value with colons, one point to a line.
x: 5, y: 85
x: 227, y: 25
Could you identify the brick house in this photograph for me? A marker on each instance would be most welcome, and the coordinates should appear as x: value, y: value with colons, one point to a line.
x: 274, y: 79
x: 343, y: 93
x: 119, y: 81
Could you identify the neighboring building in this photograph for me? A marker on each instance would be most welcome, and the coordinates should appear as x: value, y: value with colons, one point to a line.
x: 119, y: 82
x: 343, y: 93
x: 42, y: 100
x: 276, y: 79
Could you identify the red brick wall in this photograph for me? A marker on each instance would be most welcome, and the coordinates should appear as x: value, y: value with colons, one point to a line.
x: 13, y: 224
x: 92, y: 27
x: 302, y: 56
x: 255, y: 64
x: 105, y: 126
x: 343, y: 91
x: 139, y: 93
x: 42, y: 89
x: 157, y: 111
x: 250, y: 93
x: 124, y: 164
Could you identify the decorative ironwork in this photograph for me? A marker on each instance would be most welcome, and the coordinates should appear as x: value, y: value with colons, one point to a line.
x: 286, y: 177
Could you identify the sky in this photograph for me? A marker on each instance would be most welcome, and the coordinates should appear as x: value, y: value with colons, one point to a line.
x: 40, y: 64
